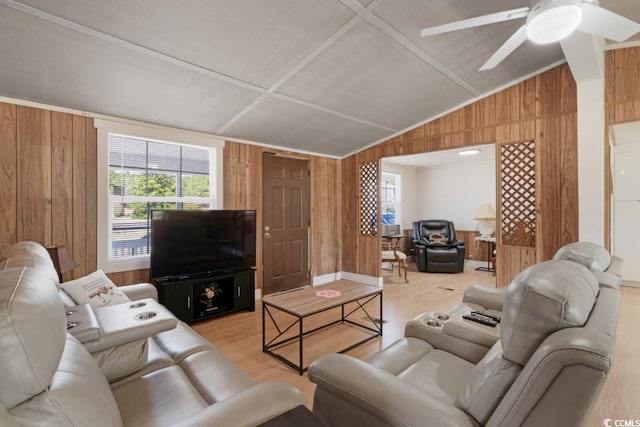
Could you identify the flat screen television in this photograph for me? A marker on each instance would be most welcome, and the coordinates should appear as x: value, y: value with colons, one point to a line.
x: 192, y: 243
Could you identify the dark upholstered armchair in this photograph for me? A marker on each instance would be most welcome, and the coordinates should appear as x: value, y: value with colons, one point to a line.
x: 436, y: 248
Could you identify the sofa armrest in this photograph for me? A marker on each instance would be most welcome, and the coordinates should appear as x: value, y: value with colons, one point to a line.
x: 490, y: 298
x: 607, y: 279
x: 381, y: 394
x: 127, y: 322
x: 140, y: 291
x: 458, y: 344
x: 251, y: 407
x: 615, y: 267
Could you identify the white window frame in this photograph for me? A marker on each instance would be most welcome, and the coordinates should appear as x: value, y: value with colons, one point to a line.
x: 398, y: 199
x: 150, y: 132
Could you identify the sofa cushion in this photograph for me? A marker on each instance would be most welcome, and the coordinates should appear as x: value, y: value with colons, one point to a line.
x: 214, y: 376
x: 156, y: 360
x: 78, y: 395
x: 400, y: 355
x: 32, y: 333
x: 181, y: 342
x: 439, y: 374
x: 416, y: 362
x: 442, y: 254
x: 94, y: 289
x: 161, y: 398
x: 487, y: 385
x: 544, y: 298
x: 121, y: 360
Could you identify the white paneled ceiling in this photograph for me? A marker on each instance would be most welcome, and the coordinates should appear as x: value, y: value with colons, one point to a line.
x: 324, y: 76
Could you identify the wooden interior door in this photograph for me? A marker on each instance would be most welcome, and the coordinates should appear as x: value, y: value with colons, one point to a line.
x: 285, y: 223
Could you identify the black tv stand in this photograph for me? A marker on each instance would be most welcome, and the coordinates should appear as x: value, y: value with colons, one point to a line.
x: 202, y: 296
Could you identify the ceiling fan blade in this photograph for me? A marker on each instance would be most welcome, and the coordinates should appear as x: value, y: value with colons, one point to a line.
x: 604, y: 23
x: 505, y: 50
x: 477, y: 21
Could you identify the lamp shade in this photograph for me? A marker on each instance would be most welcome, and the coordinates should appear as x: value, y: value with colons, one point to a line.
x: 485, y: 212
x: 62, y: 261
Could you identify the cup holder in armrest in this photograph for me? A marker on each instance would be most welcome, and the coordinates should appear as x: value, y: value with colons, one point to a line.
x: 441, y: 316
x: 146, y: 315
x: 432, y: 323
x: 138, y: 304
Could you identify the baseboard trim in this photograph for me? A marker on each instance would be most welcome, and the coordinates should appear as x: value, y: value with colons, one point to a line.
x: 361, y: 278
x: 630, y: 284
x: 326, y: 278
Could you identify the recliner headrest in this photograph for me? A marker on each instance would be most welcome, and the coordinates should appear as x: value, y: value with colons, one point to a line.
x: 25, y: 248
x: 28, y: 254
x: 32, y: 261
x: 591, y: 255
x: 32, y: 333
x: 544, y: 298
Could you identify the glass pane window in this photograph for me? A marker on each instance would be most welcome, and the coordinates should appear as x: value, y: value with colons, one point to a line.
x: 390, y: 201
x: 145, y: 175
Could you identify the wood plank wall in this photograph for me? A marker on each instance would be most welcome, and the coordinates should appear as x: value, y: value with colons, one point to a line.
x: 622, y: 105
x: 48, y: 182
x: 543, y: 108
x: 243, y: 190
x: 54, y: 210
x: 48, y: 189
x: 474, y: 250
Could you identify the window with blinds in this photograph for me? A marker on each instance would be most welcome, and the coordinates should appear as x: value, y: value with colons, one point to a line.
x: 147, y: 174
x: 390, y: 204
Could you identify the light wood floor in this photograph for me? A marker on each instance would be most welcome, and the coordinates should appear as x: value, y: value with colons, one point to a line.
x: 239, y: 337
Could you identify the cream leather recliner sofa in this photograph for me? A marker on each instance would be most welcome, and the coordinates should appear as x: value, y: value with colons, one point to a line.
x: 121, y: 374
x: 477, y: 339
x: 552, y: 354
x: 598, y: 260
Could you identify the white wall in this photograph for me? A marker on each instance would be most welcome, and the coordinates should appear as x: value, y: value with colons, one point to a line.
x: 591, y: 161
x: 454, y: 191
x: 408, y: 192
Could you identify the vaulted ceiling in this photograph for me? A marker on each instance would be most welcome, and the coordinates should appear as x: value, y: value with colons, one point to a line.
x: 323, y: 76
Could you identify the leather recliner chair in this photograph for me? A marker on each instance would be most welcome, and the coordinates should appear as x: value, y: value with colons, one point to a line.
x: 436, y: 248
x: 553, y: 353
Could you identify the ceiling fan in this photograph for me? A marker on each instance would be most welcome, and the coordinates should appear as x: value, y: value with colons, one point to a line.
x: 547, y: 21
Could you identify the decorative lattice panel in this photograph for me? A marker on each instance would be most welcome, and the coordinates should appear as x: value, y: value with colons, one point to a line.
x: 369, y: 199
x: 518, y: 194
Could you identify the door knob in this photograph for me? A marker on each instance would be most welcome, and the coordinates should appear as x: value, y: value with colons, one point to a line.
x: 267, y: 235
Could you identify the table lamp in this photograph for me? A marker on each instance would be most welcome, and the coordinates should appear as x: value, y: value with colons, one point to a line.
x: 486, y: 217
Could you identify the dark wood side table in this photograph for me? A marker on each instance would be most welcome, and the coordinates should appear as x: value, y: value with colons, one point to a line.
x: 297, y: 417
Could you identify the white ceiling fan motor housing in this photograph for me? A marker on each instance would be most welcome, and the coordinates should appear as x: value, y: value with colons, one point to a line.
x: 552, y: 20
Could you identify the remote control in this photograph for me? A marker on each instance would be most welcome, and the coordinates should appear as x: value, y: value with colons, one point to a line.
x: 488, y: 314
x: 478, y: 318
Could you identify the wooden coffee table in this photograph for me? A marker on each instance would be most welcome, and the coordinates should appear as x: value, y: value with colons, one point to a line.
x: 304, y: 302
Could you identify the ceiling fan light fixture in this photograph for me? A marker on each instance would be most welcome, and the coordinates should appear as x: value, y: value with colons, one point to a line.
x: 553, y: 24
